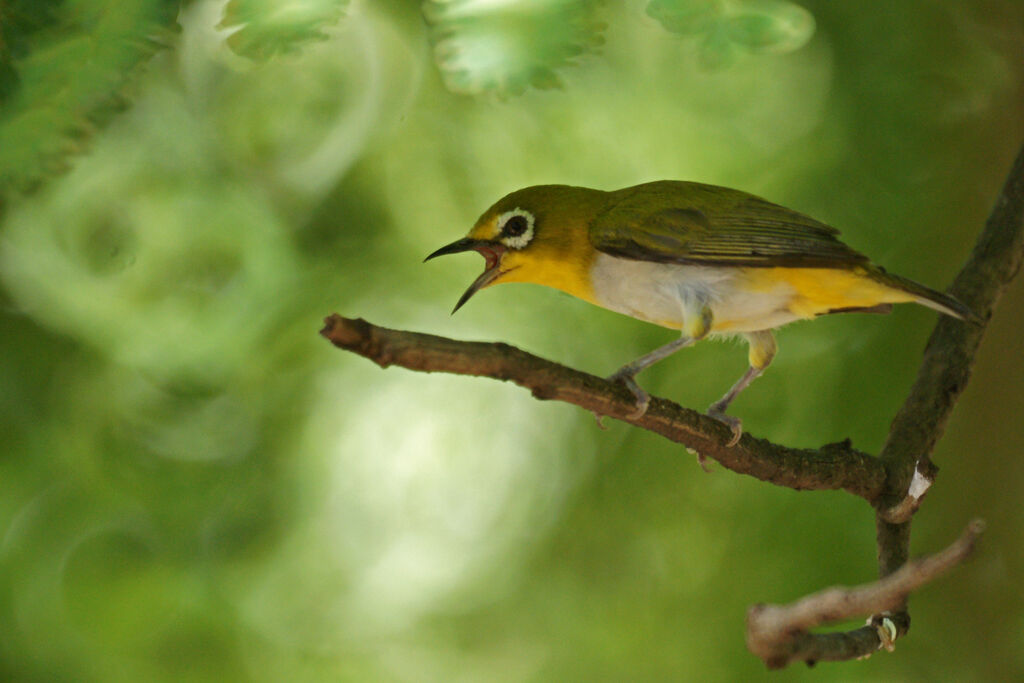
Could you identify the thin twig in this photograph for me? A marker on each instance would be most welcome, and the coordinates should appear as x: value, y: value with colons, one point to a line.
x: 834, y: 466
x: 778, y: 634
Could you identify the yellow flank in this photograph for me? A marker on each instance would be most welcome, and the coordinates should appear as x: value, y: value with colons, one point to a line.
x: 820, y: 290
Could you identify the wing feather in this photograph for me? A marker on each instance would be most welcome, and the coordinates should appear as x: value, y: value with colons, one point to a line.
x: 683, y: 222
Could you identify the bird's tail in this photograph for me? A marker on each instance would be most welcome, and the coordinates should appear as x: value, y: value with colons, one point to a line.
x: 943, y: 303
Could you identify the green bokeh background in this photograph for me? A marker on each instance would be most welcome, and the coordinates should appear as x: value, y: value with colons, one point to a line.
x: 194, y: 486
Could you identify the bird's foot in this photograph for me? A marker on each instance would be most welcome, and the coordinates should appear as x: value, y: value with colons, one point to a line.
x: 702, y: 460
x: 643, y: 399
x: 733, y: 423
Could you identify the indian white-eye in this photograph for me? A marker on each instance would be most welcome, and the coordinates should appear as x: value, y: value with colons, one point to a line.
x: 703, y: 259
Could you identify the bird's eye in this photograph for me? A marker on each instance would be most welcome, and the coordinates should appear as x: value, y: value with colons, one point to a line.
x: 516, y: 228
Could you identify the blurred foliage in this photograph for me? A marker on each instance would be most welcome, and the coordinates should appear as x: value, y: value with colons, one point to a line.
x: 267, y: 28
x: 194, y: 486
x: 725, y: 26
x: 504, y: 47
x: 65, y: 73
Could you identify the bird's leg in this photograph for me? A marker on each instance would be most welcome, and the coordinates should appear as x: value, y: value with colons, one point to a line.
x: 627, y: 372
x: 717, y: 409
x: 697, y: 319
x: 762, y: 351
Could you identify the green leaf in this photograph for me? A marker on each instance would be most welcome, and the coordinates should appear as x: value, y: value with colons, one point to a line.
x: 725, y: 29
x: 66, y: 76
x: 505, y: 48
x: 266, y: 28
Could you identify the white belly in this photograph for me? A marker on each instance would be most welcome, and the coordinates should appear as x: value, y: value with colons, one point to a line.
x: 667, y: 294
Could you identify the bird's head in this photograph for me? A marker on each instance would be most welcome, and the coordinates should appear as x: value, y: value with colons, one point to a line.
x: 538, y: 234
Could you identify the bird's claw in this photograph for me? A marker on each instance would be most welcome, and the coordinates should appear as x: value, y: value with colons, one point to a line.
x: 643, y: 399
x: 702, y: 460
x: 733, y: 423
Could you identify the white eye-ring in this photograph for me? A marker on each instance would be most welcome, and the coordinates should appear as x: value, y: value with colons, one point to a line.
x: 515, y: 228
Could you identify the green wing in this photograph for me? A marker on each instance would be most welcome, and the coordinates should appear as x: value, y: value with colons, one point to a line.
x: 681, y: 222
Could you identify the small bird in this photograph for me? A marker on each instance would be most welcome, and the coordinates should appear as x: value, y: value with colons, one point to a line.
x: 702, y: 259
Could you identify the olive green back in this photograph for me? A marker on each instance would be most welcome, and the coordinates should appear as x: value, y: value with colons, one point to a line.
x: 682, y: 222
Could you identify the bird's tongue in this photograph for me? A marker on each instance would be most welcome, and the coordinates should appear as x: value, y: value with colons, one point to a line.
x: 492, y: 255
x: 491, y: 272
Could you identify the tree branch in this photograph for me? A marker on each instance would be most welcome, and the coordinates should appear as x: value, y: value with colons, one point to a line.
x: 834, y: 466
x: 946, y: 369
x: 949, y: 355
x: 779, y: 635
x: 894, y: 483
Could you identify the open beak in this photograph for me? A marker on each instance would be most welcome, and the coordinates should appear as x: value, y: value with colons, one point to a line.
x: 489, y: 250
